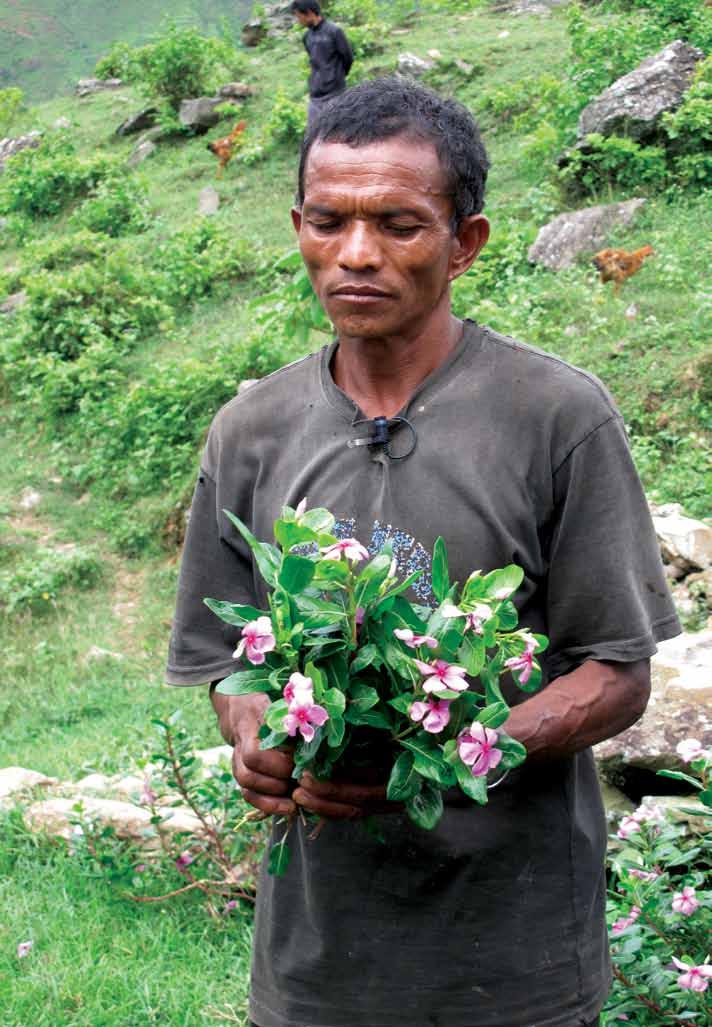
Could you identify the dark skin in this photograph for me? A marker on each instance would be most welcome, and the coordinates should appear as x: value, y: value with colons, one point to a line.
x: 375, y: 235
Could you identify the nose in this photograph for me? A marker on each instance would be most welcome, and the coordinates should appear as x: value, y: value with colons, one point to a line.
x: 360, y: 249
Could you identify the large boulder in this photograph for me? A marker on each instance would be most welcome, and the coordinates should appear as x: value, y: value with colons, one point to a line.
x: 9, y: 147
x: 236, y: 91
x: 412, y: 66
x: 199, y: 113
x: 16, y: 781
x: 684, y: 542
x: 58, y: 817
x: 89, y: 86
x: 253, y: 32
x: 562, y: 240
x: 680, y: 707
x: 634, y: 104
x: 138, y: 122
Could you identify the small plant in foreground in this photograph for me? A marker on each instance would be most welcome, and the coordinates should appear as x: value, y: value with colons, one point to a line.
x: 36, y: 583
x: 661, y: 910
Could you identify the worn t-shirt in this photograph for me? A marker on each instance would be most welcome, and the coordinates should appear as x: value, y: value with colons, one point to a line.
x: 496, y: 917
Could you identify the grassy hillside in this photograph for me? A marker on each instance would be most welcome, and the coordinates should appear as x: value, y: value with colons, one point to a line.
x: 141, y: 319
x: 46, y: 45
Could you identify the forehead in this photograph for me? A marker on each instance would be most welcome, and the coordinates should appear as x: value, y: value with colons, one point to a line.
x: 401, y: 168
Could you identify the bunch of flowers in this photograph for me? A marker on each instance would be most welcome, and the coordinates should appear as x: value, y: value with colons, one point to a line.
x: 661, y: 905
x: 341, y: 652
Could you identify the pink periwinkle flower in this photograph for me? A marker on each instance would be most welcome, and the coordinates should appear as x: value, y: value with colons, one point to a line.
x: 140, y: 868
x: 359, y: 615
x: 695, y: 978
x: 229, y: 906
x: 257, y: 639
x: 299, y: 689
x: 148, y: 796
x: 441, y: 676
x: 690, y: 749
x: 684, y: 901
x: 184, y: 860
x: 303, y: 716
x: 24, y: 949
x: 435, y: 714
x: 413, y: 641
x: 476, y: 619
x: 626, y: 921
x: 476, y: 749
x: 649, y: 815
x: 524, y: 663
x: 349, y: 548
x: 627, y: 827
x: 301, y: 507
x: 644, y: 875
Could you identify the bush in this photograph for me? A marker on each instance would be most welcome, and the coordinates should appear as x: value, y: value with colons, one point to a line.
x: 689, y: 130
x: 285, y: 123
x: 200, y: 256
x: 36, y: 583
x: 10, y: 103
x: 40, y: 182
x: 613, y: 162
x: 116, y: 206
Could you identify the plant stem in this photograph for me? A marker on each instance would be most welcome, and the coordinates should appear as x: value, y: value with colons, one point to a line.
x: 648, y: 1002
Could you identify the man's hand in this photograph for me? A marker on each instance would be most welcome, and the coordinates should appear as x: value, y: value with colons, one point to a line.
x: 342, y: 800
x: 264, y: 775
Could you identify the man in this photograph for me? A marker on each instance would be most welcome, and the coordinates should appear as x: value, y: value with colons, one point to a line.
x: 496, y: 917
x: 329, y: 52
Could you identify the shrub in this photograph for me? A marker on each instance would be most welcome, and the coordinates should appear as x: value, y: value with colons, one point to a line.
x: 10, y: 103
x: 35, y: 584
x: 40, y: 182
x: 120, y: 62
x: 116, y: 206
x: 196, y: 258
x: 613, y: 162
x: 689, y: 130
x: 285, y: 123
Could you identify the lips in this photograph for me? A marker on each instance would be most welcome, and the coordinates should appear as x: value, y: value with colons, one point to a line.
x: 359, y: 291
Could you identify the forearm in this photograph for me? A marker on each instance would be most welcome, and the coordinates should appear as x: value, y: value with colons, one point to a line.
x: 221, y: 705
x: 596, y: 701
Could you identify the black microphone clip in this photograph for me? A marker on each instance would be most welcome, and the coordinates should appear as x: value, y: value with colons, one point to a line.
x: 380, y: 435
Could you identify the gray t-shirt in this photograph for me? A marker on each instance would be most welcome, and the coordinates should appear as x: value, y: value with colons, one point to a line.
x: 495, y: 918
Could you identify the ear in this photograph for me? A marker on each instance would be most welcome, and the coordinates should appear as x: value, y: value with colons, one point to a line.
x: 296, y: 219
x: 471, y: 235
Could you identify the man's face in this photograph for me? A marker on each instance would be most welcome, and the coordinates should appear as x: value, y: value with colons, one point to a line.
x: 302, y: 17
x: 374, y: 233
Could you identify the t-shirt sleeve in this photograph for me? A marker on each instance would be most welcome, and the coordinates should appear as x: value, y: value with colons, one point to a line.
x: 608, y: 598
x: 201, y: 644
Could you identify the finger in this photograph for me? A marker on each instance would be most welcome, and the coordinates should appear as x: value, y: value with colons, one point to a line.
x: 270, y: 762
x: 326, y: 808
x: 250, y: 780
x: 341, y: 791
x: 268, y: 803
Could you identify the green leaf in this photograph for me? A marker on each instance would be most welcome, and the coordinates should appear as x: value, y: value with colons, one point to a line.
x: 289, y: 533
x: 273, y: 739
x: 426, y: 808
x: 493, y: 715
x: 234, y: 613
x: 330, y: 574
x: 371, y: 578
x: 334, y: 700
x: 473, y: 787
x: 428, y: 760
x: 402, y: 703
x: 513, y: 752
x: 471, y: 654
x: 489, y: 676
x: 318, y: 678
x: 275, y: 714
x: 386, y: 602
x: 335, y: 728
x: 502, y: 583
x: 450, y: 753
x: 507, y: 616
x: 279, y: 856
x: 679, y: 776
x: 319, y: 520
x: 267, y: 557
x: 367, y: 656
x: 368, y: 718
x: 296, y: 573
x: 404, y: 782
x: 245, y: 682
x: 440, y: 572
x: 362, y: 696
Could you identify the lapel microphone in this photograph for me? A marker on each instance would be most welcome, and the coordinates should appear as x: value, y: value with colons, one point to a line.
x: 379, y: 434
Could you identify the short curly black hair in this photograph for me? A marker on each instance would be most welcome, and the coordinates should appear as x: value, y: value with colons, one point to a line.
x: 386, y: 107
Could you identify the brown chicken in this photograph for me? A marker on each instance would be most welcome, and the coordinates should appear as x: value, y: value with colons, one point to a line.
x: 617, y: 265
x: 224, y: 149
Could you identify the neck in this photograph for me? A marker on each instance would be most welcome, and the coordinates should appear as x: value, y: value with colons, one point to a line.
x: 381, y: 374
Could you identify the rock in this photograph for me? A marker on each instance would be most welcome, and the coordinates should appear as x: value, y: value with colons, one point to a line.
x: 139, y: 122
x: 55, y: 816
x: 140, y: 153
x: 130, y: 787
x: 631, y: 312
x: 236, y: 91
x: 463, y: 66
x: 14, y: 781
x: 29, y: 499
x: 616, y: 803
x: 562, y: 240
x: 13, y: 302
x: 434, y: 55
x: 208, y: 201
x: 253, y: 32
x: 97, y: 653
x: 279, y: 16
x: 62, y: 123
x: 212, y: 757
x: 685, y: 542
x: 91, y: 783
x: 412, y: 66
x: 682, y: 809
x: 680, y: 707
x: 634, y: 105
x: 199, y: 113
x: 9, y: 147
x: 89, y: 86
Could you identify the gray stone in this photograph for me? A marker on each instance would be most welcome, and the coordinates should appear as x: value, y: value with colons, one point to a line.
x: 412, y: 66
x: 30, y: 498
x: 253, y: 32
x: 684, y: 542
x: 573, y: 233
x: 62, y: 123
x: 635, y: 103
x: 15, y: 781
x: 97, y: 653
x: 208, y: 201
x: 13, y: 302
x: 236, y: 91
x: 89, y: 86
x: 199, y: 113
x: 138, y: 122
x: 140, y: 153
x: 55, y: 816
x: 9, y: 147
x: 683, y: 809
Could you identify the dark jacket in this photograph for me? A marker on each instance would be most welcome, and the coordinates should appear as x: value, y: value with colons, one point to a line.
x: 330, y: 58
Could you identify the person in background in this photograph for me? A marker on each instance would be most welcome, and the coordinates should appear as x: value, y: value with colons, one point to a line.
x: 329, y: 52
